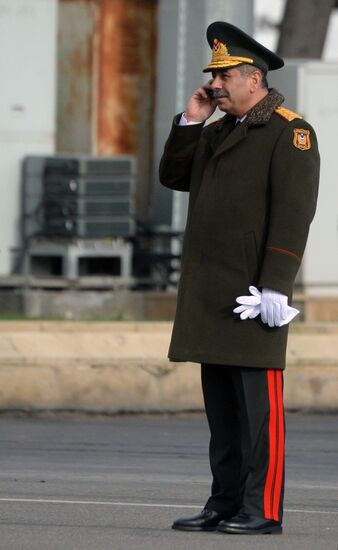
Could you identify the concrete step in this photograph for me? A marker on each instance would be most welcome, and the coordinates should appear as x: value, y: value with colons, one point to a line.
x: 122, y: 366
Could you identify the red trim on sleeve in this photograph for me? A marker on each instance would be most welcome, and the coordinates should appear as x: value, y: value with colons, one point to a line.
x: 282, y: 251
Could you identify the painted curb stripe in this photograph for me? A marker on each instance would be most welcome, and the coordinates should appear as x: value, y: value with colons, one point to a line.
x: 143, y: 504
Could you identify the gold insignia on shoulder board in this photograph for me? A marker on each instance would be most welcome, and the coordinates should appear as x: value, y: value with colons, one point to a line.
x: 287, y: 114
x: 301, y: 139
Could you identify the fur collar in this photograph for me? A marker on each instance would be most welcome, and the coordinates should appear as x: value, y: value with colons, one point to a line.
x: 259, y: 115
x: 262, y: 111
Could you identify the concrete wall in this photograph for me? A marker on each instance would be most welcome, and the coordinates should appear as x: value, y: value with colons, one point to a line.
x: 80, y: 304
x: 122, y: 367
x: 82, y: 300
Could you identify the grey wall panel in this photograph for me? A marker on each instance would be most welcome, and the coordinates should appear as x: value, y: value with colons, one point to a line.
x: 182, y: 54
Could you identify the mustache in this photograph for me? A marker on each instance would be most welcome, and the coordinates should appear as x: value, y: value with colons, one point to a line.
x: 217, y: 94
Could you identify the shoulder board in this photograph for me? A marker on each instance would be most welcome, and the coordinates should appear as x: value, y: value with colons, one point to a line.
x: 287, y: 114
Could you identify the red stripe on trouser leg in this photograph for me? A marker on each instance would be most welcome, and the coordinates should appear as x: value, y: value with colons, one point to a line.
x: 280, y: 447
x: 274, y: 478
x: 270, y: 477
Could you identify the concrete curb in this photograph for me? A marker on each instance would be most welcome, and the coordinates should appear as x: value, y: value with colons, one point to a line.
x: 122, y: 367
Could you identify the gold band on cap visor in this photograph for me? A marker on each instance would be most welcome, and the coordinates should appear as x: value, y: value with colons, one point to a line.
x: 221, y: 57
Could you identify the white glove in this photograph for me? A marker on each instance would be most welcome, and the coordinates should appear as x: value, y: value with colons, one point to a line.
x: 274, y: 307
x: 250, y: 305
x: 271, y: 304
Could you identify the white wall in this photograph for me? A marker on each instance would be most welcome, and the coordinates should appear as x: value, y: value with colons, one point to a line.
x: 310, y: 88
x: 27, y: 103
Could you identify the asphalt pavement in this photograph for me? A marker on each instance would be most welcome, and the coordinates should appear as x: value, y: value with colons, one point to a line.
x: 101, y: 483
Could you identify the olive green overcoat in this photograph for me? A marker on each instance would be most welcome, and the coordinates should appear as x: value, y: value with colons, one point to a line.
x: 253, y: 192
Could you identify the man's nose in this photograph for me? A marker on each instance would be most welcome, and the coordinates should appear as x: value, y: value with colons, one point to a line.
x: 217, y: 82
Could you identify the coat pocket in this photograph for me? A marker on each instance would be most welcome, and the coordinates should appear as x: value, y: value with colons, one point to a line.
x: 251, y: 255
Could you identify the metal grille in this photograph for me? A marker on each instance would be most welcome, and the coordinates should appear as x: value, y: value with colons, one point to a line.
x: 78, y: 196
x: 111, y: 167
x: 107, y: 208
x: 112, y: 187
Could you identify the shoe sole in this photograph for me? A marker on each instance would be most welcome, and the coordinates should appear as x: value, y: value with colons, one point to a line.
x: 188, y: 528
x: 278, y: 530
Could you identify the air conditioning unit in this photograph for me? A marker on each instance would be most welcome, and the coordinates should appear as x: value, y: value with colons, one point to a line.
x: 83, y: 197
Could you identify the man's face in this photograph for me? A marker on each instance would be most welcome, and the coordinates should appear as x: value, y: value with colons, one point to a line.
x: 236, y: 86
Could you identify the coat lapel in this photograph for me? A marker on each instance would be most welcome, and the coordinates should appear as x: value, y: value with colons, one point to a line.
x: 259, y: 115
x: 220, y: 132
x: 232, y: 139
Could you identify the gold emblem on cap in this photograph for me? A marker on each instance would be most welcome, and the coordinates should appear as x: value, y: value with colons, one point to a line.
x: 301, y: 139
x: 221, y: 58
x: 219, y: 49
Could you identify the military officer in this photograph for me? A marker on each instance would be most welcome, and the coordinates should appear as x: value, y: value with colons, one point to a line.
x: 252, y: 179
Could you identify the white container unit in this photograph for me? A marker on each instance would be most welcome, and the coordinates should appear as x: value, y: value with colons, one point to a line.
x: 311, y: 89
x: 28, y: 30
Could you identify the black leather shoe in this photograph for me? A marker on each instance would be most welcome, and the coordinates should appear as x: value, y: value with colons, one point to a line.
x: 207, y: 520
x: 244, y: 524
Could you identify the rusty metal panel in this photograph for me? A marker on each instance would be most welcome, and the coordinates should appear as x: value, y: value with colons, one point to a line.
x: 76, y: 66
x: 106, y: 82
x: 126, y: 86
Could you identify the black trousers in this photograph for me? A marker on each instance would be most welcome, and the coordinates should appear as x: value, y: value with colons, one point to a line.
x: 245, y: 412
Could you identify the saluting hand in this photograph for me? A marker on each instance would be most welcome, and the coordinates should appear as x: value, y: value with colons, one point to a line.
x: 200, y: 106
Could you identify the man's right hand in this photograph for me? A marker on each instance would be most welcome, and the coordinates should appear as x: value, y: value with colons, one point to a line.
x: 200, y: 106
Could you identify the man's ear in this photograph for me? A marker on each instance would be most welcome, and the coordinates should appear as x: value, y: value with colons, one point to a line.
x: 256, y: 78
